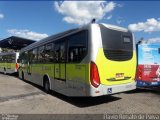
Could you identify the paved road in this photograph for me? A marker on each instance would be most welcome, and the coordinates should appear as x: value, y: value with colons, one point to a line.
x: 18, y: 97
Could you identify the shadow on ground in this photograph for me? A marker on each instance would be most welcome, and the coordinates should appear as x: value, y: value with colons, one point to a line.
x: 86, y: 101
x: 153, y: 90
x: 81, y: 101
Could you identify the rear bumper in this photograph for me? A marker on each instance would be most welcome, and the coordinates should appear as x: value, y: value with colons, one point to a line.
x: 141, y: 83
x: 106, y: 90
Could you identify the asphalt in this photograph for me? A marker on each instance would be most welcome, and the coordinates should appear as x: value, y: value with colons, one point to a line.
x: 22, y: 97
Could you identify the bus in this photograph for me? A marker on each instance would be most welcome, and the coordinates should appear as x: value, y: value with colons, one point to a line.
x: 148, y: 73
x: 9, y: 62
x: 93, y: 60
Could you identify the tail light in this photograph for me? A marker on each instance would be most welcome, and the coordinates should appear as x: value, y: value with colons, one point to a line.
x: 17, y: 66
x: 94, y: 75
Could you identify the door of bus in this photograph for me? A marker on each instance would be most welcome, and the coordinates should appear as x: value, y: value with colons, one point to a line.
x: 60, y: 66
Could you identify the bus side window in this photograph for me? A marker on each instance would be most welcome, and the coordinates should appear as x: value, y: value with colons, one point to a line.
x: 30, y: 56
x: 41, y: 54
x: 56, y: 52
x: 23, y: 58
x: 34, y: 55
x: 60, y: 52
x: 13, y: 58
x: 4, y: 58
x: 49, y: 53
x: 159, y: 50
x: 77, y: 47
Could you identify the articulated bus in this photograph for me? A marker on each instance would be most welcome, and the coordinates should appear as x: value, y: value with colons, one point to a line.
x: 9, y: 62
x: 148, y: 73
x: 94, y: 60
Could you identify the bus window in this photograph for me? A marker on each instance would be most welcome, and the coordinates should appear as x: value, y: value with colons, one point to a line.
x: 23, y: 57
x: 60, y: 54
x: 12, y: 58
x: 77, y: 47
x: 49, y: 53
x: 117, y: 45
x: 30, y: 57
x: 41, y: 54
x: 56, y: 52
x: 3, y: 58
x: 34, y: 55
x: 159, y: 50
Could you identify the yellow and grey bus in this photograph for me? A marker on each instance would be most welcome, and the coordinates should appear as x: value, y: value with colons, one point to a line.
x: 9, y: 62
x: 93, y: 60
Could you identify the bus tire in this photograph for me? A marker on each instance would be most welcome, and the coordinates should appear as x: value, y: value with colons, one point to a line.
x: 4, y: 71
x: 46, y: 85
x: 22, y: 75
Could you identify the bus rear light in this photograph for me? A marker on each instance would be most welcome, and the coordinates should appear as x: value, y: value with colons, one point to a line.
x: 17, y: 66
x: 94, y: 75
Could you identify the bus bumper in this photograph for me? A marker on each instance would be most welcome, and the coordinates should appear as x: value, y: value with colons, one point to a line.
x: 106, y: 90
x: 141, y: 83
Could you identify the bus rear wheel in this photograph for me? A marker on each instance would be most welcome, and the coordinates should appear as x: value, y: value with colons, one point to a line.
x: 46, y: 86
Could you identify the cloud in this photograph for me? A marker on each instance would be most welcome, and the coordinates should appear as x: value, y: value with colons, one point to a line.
x: 1, y: 16
x: 27, y: 34
x: 82, y: 12
x: 120, y: 5
x: 120, y: 20
x: 154, y: 40
x: 109, y: 17
x: 151, y: 25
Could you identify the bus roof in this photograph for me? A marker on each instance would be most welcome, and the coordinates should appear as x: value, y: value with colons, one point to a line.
x: 71, y: 31
x: 114, y: 27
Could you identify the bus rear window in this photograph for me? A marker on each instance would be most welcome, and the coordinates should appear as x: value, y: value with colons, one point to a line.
x: 117, y: 45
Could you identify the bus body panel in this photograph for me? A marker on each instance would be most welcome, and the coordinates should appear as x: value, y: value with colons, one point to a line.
x: 77, y: 76
x: 108, y: 69
x: 148, y: 71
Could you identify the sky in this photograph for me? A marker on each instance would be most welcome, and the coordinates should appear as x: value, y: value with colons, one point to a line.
x: 39, y: 19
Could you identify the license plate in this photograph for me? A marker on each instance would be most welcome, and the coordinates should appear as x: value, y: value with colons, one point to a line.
x: 119, y: 75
